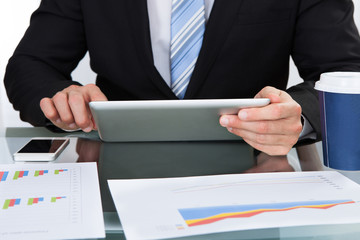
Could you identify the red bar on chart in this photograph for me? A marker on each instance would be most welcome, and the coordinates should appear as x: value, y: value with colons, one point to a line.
x: 3, y: 176
x: 12, y: 202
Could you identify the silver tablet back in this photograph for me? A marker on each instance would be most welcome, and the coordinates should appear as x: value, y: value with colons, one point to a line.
x: 166, y: 120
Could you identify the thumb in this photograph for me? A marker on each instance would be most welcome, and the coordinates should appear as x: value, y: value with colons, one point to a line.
x: 274, y: 98
x: 270, y: 92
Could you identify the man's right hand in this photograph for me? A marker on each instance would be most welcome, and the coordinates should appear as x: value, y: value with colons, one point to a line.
x: 69, y: 108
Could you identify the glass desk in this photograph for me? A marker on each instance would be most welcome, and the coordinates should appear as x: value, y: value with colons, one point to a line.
x: 175, y: 159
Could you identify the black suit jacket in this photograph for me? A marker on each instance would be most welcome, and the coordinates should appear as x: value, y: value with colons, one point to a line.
x: 247, y: 45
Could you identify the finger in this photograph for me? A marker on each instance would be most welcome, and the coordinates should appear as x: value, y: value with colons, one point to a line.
x: 61, y: 103
x: 78, y: 106
x: 266, y: 139
x: 50, y: 112
x: 282, y: 126
x: 48, y: 108
x: 274, y: 94
x: 94, y: 127
x: 271, y: 112
x: 94, y: 93
x: 94, y: 124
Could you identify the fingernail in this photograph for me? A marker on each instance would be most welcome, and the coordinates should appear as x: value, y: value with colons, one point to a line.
x: 88, y: 129
x: 72, y: 125
x: 58, y: 121
x: 229, y: 129
x: 224, y: 121
x: 243, y: 115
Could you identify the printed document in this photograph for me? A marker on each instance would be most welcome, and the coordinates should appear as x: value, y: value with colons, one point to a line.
x: 50, y: 201
x: 177, y: 207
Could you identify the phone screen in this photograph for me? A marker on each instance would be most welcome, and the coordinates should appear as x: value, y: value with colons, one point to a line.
x: 42, y: 146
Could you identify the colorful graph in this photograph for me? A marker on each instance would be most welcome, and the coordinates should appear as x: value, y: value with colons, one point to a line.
x: 54, y: 199
x: 20, y: 174
x: 206, y: 215
x: 44, y: 201
x: 58, y: 171
x: 32, y: 201
x: 40, y: 172
x: 11, y: 203
x: 3, y: 176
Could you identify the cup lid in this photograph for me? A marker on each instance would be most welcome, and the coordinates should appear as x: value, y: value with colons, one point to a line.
x: 339, y: 82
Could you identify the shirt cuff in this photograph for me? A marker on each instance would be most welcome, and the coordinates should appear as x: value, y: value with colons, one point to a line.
x: 307, y: 131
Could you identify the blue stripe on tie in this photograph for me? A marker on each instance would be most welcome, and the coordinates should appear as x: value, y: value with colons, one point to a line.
x: 179, y: 19
x: 185, y: 76
x: 189, y: 53
x: 183, y: 7
x: 191, y: 43
x: 189, y: 57
x: 190, y: 29
x: 187, y: 30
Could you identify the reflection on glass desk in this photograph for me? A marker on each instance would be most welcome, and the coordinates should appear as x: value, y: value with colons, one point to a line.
x: 176, y: 159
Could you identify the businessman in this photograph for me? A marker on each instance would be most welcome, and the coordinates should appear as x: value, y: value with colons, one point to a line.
x: 185, y: 49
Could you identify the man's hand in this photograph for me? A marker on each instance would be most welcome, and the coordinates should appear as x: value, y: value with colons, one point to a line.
x: 69, y: 108
x: 273, y: 129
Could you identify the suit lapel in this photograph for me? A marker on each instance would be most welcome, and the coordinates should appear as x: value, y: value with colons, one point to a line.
x: 221, y: 20
x: 139, y: 23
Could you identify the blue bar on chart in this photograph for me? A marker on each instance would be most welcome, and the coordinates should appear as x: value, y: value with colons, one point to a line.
x: 3, y: 176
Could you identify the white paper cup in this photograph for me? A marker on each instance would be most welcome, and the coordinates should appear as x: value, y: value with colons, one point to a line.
x: 339, y: 96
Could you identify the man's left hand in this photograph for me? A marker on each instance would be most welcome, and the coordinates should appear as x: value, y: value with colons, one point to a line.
x: 273, y: 129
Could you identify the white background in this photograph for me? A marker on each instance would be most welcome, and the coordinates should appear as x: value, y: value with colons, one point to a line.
x: 14, y: 19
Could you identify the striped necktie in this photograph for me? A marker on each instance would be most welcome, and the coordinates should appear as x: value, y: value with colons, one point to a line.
x: 187, y: 30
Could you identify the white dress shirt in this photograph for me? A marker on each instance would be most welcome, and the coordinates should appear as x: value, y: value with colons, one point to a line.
x: 160, y: 19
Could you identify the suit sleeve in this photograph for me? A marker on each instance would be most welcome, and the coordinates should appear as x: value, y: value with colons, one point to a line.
x: 42, y: 63
x: 326, y: 40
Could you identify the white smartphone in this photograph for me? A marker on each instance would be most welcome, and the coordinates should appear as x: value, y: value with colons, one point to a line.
x: 41, y: 149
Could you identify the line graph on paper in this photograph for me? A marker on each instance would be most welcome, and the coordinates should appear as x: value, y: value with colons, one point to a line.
x: 185, y: 206
x: 259, y: 197
x: 207, y: 215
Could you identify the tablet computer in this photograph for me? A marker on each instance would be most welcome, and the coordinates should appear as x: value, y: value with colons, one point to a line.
x: 167, y: 120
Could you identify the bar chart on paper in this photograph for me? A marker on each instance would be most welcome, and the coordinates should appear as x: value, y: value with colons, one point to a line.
x: 35, y: 194
x: 211, y: 204
x: 41, y: 199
